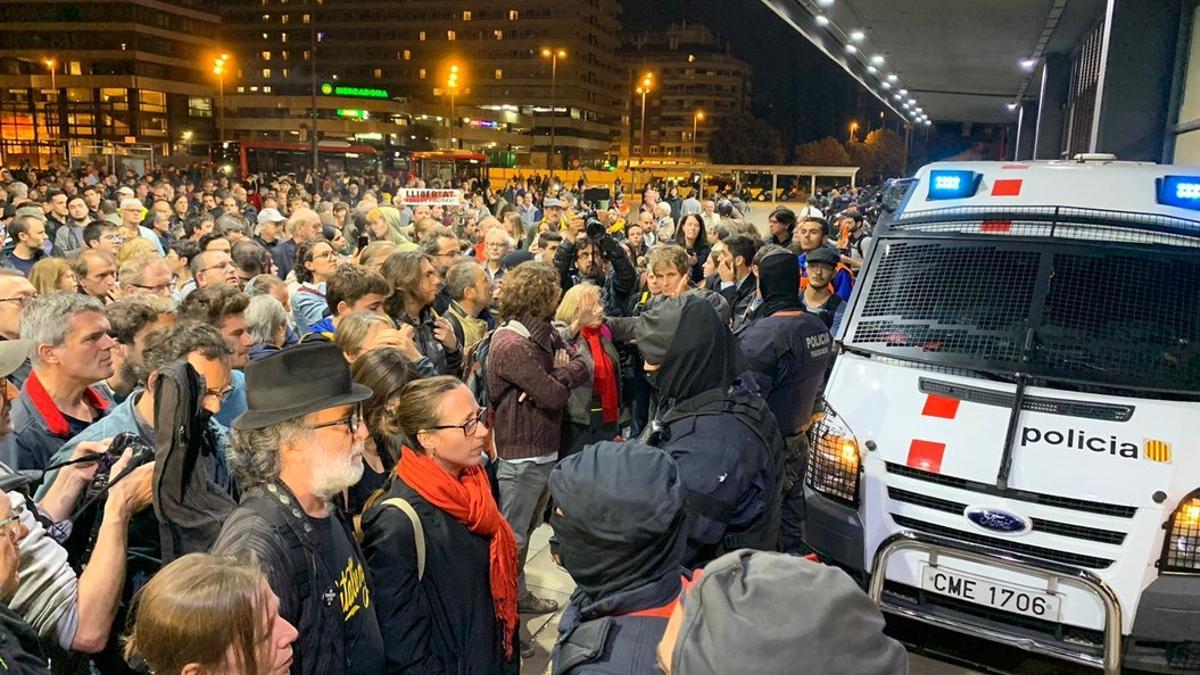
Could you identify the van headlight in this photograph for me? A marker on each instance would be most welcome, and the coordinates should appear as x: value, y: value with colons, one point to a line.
x: 1181, y: 550
x: 834, y: 460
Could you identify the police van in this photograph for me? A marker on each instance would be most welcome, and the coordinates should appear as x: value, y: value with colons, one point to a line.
x: 1011, y: 447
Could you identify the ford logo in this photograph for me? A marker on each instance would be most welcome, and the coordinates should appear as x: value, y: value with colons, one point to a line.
x: 997, y: 520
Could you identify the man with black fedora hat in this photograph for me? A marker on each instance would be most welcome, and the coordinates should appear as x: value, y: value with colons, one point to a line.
x: 300, y: 443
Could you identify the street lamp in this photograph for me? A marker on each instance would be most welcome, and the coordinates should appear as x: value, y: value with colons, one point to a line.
x: 219, y: 64
x: 853, y: 130
x: 452, y: 89
x: 52, y: 65
x: 643, y: 89
x: 699, y: 115
x: 554, y: 54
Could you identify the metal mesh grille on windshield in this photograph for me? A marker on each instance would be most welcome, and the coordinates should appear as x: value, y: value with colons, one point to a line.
x: 1112, y: 316
x: 1134, y: 316
x: 965, y: 300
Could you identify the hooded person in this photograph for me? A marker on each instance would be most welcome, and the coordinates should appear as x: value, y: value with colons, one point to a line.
x: 621, y: 528
x: 721, y: 434
x: 742, y: 616
x: 788, y: 350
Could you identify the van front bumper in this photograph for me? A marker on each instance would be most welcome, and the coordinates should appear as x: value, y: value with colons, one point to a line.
x: 1166, y: 630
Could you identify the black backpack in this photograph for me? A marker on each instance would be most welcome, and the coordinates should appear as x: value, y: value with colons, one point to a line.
x: 751, y: 410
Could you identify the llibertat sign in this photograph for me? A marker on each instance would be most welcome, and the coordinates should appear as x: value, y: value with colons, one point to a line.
x: 430, y: 197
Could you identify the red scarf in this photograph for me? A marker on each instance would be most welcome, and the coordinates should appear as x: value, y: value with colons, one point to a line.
x: 468, y: 499
x: 605, y: 378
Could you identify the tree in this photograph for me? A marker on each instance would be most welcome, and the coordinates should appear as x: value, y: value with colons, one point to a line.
x: 745, y: 139
x: 887, y: 149
x: 880, y: 156
x: 825, y: 152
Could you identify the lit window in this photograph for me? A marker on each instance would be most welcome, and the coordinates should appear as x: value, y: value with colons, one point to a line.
x: 267, y: 89
x: 499, y: 74
x: 284, y: 18
x: 451, y: 35
x: 283, y: 37
x: 691, y: 58
x: 466, y: 16
x: 283, y: 55
x: 498, y: 34
x: 407, y: 55
x: 421, y: 73
x: 378, y: 73
x: 266, y: 37
x: 73, y: 68
x: 266, y: 56
x: 285, y: 73
x: 266, y: 17
x: 421, y: 36
x: 266, y: 72
x: 513, y: 15
x: 306, y: 18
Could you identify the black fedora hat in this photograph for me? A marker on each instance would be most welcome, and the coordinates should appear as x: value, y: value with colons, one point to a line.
x: 297, y: 381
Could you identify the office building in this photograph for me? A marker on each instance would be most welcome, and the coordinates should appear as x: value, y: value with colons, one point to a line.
x: 694, y: 84
x: 478, y: 62
x: 96, y: 81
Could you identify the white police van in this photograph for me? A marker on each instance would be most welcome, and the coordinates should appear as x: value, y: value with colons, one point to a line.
x: 1012, y: 442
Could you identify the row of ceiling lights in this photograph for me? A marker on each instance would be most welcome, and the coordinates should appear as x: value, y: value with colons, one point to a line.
x: 887, y: 82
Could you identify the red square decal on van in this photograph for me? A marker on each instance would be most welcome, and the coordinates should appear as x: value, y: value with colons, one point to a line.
x: 1008, y: 187
x: 940, y: 406
x: 926, y: 456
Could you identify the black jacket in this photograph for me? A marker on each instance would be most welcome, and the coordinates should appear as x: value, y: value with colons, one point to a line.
x: 270, y: 524
x: 444, y: 622
x: 788, y: 356
x: 619, y: 285
x: 730, y: 456
x: 740, y: 296
x: 20, y: 652
x: 446, y: 362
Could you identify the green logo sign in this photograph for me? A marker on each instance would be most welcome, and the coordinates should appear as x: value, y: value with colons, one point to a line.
x: 356, y: 114
x: 355, y: 92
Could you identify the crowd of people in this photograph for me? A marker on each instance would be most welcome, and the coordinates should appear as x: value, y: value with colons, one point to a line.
x: 281, y: 425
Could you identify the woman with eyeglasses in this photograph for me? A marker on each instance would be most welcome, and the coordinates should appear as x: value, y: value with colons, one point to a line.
x: 316, y: 261
x: 444, y: 560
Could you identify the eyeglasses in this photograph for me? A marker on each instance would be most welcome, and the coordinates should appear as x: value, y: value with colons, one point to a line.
x: 22, y: 300
x: 326, y: 254
x: 219, y: 394
x: 351, y: 422
x: 157, y: 290
x: 468, y: 427
x: 223, y: 266
x: 10, y: 525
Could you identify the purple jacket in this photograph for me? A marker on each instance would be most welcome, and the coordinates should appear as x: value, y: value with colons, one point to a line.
x: 528, y: 392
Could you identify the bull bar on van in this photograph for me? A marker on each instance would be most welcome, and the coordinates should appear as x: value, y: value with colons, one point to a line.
x: 1109, y: 661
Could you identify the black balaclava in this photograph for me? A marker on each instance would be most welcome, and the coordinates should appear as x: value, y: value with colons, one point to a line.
x: 623, y: 517
x: 779, y: 284
x: 692, y: 346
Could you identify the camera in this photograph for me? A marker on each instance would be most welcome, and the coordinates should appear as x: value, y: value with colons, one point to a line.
x: 594, y: 228
x: 120, y: 443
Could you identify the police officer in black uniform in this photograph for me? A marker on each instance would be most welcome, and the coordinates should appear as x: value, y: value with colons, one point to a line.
x: 788, y: 351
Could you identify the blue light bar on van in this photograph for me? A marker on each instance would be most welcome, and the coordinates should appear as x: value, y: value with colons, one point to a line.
x: 1180, y: 191
x: 953, y: 184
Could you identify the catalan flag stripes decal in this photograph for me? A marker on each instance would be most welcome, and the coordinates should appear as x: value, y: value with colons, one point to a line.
x: 1157, y: 451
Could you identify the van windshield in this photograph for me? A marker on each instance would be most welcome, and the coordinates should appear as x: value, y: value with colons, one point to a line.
x: 1095, y: 313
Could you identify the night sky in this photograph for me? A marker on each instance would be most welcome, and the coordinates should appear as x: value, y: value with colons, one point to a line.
x: 796, y: 88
